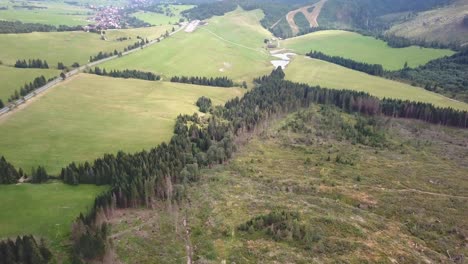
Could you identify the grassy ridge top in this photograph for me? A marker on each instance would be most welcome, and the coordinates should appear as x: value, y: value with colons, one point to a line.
x: 90, y: 115
x: 325, y: 74
x: 364, y: 49
x: 230, y: 45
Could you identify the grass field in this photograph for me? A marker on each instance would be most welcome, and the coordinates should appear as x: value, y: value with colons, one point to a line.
x: 230, y: 45
x: 45, y: 210
x: 402, y: 201
x: 361, y: 48
x: 90, y: 115
x: 54, y: 13
x: 317, y: 72
x: 12, y: 79
x: 162, y: 19
x: 67, y: 47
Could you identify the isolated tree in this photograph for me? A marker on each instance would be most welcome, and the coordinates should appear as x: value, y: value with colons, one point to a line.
x: 63, y: 75
x: 1, y: 104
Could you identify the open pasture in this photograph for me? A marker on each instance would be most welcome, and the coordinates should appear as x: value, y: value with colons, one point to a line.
x: 45, y: 210
x: 45, y: 12
x: 12, y: 79
x: 68, y: 47
x: 230, y: 45
x: 325, y: 74
x: 364, y: 49
x: 88, y: 116
x: 163, y: 19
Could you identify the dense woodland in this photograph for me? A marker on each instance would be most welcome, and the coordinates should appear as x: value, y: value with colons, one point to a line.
x: 217, y: 81
x: 24, y: 250
x: 448, y: 76
x: 372, y: 69
x: 126, y: 74
x: 8, y: 27
x: 32, y: 63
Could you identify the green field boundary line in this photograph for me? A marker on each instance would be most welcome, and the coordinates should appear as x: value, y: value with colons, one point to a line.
x: 22, y: 101
x: 234, y: 43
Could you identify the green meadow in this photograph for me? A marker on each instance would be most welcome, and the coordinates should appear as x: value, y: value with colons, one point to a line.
x: 12, y: 79
x: 230, y: 45
x: 361, y: 48
x: 325, y: 74
x: 162, y: 19
x: 89, y: 115
x: 45, y: 210
x: 49, y: 12
x: 68, y: 47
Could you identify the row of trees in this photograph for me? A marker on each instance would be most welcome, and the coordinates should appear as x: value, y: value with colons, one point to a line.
x: 8, y: 27
x: 217, y: 81
x: 134, y: 74
x: 34, y: 63
x: 102, y: 55
x: 372, y: 69
x: 447, y: 75
x: 28, y: 88
x: 24, y: 250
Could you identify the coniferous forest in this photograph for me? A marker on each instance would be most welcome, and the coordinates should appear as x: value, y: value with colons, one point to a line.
x: 216, y: 81
x: 126, y: 74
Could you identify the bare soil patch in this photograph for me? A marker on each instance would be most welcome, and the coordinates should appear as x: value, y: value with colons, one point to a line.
x: 310, y: 15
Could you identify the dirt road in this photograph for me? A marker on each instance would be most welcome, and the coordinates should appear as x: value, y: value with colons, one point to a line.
x: 311, y: 16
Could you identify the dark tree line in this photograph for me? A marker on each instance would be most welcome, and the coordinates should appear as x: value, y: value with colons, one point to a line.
x: 372, y: 69
x: 28, y: 88
x: 24, y: 250
x: 126, y: 74
x: 447, y: 75
x: 8, y: 173
x: 102, y: 55
x: 137, y: 45
x: 217, y: 81
x: 7, y: 27
x: 34, y: 63
x: 39, y: 175
x: 204, y: 104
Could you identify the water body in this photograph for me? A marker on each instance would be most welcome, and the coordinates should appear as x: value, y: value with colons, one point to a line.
x: 284, y: 59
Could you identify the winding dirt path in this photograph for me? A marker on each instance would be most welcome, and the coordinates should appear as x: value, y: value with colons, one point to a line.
x: 311, y: 16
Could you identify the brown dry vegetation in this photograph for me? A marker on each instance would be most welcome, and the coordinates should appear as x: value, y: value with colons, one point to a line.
x: 401, y: 199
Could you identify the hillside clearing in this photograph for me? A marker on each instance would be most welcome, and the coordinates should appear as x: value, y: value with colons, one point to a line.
x: 156, y: 19
x: 361, y: 48
x: 88, y: 116
x: 310, y: 16
x: 325, y: 74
